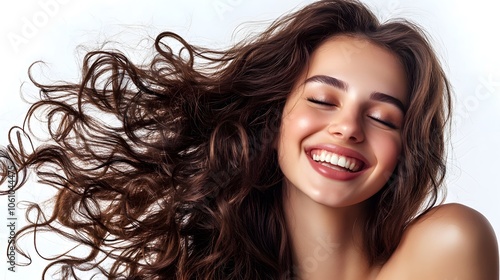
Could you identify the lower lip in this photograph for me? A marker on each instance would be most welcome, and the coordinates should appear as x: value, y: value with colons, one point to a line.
x: 332, y: 173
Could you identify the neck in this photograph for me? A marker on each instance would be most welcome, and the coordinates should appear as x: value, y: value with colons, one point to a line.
x: 325, y: 241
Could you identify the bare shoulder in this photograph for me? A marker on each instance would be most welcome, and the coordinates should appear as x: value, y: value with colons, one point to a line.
x: 449, y: 242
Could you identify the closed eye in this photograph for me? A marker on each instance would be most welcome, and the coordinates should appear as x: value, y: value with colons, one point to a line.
x: 319, y: 102
x: 386, y: 123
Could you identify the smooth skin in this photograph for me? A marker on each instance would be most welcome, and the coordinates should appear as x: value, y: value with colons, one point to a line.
x: 349, y: 101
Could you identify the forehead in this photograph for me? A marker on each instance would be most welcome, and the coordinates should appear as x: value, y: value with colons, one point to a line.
x: 360, y: 63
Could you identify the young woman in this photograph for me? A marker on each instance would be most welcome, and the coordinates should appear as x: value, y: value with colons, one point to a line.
x: 313, y: 151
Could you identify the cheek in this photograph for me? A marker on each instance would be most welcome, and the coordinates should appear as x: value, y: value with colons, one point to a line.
x: 296, y: 126
x: 388, y: 150
x: 299, y: 123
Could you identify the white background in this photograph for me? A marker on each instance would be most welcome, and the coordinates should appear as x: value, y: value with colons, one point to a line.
x: 465, y: 33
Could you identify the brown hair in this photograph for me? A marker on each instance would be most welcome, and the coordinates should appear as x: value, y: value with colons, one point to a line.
x: 183, y: 182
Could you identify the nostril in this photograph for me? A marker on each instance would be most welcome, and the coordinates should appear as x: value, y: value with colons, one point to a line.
x: 352, y: 133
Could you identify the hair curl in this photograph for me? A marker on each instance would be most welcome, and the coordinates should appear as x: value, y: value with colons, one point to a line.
x: 167, y: 169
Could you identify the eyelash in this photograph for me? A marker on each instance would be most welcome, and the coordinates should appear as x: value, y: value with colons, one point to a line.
x: 388, y: 124
x: 319, y: 102
x: 324, y: 103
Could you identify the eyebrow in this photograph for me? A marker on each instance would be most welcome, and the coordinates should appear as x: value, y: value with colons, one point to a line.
x: 377, y: 96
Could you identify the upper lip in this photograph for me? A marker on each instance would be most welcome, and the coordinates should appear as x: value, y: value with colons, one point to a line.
x: 338, y: 150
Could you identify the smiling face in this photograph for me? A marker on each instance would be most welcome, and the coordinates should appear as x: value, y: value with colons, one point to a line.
x: 340, y: 137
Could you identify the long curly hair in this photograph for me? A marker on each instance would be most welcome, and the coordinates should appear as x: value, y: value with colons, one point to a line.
x: 166, y: 170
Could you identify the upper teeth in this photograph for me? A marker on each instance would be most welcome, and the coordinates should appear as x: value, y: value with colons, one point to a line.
x: 332, y: 158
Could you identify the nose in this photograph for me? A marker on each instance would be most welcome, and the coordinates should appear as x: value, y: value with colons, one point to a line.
x: 346, y: 126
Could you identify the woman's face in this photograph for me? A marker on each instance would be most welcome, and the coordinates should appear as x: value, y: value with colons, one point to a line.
x: 340, y: 136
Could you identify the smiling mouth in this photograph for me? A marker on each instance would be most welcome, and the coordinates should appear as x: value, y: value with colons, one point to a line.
x: 336, y: 161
